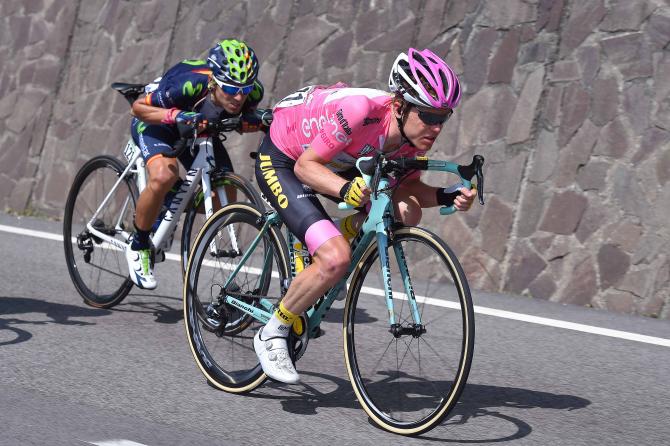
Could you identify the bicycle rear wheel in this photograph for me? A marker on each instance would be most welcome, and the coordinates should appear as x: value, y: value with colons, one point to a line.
x: 409, y: 377
x: 98, y: 269
x: 195, y: 216
x: 220, y: 335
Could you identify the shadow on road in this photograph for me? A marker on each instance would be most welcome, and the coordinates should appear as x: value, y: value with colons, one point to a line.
x: 162, y: 309
x: 477, y: 401
x: 12, y: 333
x: 337, y: 315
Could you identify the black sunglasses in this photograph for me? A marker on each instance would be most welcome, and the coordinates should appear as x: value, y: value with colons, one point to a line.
x: 429, y: 118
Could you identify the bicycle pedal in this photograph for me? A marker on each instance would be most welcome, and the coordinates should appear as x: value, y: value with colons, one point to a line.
x: 225, y: 253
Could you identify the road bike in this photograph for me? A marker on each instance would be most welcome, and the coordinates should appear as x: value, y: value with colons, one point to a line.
x: 100, y: 207
x: 408, y: 316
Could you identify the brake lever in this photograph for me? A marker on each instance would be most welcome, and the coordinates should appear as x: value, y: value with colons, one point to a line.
x: 195, y: 136
x: 479, y: 173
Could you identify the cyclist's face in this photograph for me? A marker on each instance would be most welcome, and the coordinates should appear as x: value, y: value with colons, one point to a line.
x: 423, y: 125
x: 231, y: 103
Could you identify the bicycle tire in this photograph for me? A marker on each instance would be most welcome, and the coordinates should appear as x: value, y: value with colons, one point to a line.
x: 107, y: 283
x: 428, y: 378
x: 221, y: 340
x: 194, y: 220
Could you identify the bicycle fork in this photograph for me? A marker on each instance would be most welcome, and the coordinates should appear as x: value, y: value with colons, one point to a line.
x: 396, y: 328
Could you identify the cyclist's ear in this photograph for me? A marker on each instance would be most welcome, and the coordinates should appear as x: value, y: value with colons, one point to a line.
x: 211, y: 85
x: 398, y: 106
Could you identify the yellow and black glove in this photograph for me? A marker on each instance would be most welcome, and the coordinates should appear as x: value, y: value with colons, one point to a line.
x: 352, y: 192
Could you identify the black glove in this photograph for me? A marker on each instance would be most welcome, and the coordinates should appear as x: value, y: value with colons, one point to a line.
x: 447, y: 196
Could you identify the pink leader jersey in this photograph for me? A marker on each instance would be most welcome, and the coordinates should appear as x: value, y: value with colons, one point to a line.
x: 339, y: 123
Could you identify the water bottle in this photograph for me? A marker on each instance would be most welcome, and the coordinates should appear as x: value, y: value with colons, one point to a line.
x: 166, y: 204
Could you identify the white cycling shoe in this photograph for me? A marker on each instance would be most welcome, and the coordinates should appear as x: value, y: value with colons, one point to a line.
x: 274, y: 358
x: 139, y: 268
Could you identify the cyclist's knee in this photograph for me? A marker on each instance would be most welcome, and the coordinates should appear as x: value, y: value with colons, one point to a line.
x: 163, y: 174
x: 333, y: 258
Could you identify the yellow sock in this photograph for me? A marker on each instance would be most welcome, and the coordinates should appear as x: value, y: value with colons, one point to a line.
x: 285, y: 316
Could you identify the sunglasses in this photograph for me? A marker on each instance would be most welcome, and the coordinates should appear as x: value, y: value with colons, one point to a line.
x: 233, y: 89
x: 430, y: 118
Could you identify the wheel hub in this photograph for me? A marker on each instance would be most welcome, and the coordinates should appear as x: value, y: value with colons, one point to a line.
x: 415, y: 330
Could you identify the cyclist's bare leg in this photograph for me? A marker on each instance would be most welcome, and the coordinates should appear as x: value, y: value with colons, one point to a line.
x: 407, y: 206
x: 163, y: 174
x: 329, y: 264
x: 407, y: 210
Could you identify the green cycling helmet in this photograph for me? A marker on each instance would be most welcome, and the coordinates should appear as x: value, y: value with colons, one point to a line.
x: 233, y: 62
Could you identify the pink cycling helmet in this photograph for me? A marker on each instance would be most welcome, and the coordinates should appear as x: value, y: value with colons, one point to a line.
x: 424, y: 79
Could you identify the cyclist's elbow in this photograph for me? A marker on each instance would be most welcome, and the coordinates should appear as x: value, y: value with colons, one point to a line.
x: 136, y: 108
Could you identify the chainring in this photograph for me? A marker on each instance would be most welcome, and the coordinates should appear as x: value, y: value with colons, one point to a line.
x: 298, y: 341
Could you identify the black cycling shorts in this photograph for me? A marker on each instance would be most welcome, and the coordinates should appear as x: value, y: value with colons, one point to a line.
x: 296, y: 203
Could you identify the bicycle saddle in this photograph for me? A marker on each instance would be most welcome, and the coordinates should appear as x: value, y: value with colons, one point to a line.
x: 129, y: 91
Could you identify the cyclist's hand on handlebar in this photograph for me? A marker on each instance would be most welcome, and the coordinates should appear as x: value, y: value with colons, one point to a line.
x: 464, y: 200
x: 187, y: 121
x: 461, y: 198
x: 355, y: 192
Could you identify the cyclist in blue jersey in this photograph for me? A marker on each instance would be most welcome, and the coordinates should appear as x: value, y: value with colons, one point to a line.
x: 187, y: 96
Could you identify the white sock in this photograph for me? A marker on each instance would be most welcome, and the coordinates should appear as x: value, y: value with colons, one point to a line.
x: 275, y: 328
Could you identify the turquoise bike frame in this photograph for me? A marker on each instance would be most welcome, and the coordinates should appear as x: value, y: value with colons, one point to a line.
x: 375, y: 227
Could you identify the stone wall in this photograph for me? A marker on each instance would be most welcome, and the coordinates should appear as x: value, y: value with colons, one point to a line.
x: 567, y: 100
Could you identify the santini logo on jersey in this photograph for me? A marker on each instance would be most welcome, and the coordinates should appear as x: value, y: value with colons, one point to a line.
x: 343, y: 122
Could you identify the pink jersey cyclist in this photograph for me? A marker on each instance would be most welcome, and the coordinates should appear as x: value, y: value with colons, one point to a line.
x: 340, y: 124
x: 316, y: 136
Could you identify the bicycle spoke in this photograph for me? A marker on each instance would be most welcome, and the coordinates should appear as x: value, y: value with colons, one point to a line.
x: 221, y: 335
x: 99, y: 274
x: 409, y: 383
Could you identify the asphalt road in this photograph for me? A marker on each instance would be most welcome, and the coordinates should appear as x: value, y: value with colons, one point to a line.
x: 75, y: 375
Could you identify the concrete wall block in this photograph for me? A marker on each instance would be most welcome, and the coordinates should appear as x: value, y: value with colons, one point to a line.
x: 564, y: 213
x: 520, y: 125
x: 583, y: 19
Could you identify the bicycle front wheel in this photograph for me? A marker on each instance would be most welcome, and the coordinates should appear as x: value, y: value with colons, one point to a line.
x: 98, y: 268
x: 238, y: 190
x: 221, y: 335
x: 408, y: 376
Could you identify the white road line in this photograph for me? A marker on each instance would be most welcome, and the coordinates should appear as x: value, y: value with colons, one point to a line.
x: 532, y: 319
x: 116, y: 443
x: 31, y: 233
x: 478, y: 309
